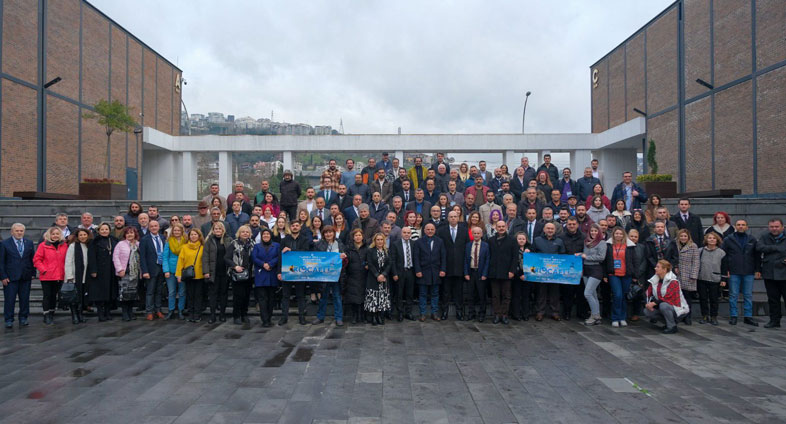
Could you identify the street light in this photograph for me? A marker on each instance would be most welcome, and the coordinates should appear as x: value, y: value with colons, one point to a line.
x: 524, y: 115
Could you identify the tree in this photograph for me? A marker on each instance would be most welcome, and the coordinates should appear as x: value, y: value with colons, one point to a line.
x: 114, y: 117
x: 652, y: 162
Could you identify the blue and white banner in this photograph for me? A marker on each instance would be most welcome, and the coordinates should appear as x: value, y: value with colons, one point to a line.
x: 549, y: 268
x: 310, y: 266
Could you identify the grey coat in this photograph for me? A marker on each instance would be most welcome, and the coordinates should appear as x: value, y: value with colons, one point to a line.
x: 773, y: 251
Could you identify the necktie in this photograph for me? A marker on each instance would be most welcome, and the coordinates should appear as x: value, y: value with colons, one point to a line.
x: 157, y: 241
x: 685, y: 218
x: 320, y: 214
x: 20, y: 247
x: 406, y: 196
x: 660, y: 241
x: 408, y: 262
x: 530, y: 231
x: 327, y: 196
x: 475, y: 253
x: 453, y: 234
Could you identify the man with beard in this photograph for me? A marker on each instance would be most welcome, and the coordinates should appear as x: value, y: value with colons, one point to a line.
x: 294, y: 241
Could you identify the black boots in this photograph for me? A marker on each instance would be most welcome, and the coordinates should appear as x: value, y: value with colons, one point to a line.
x: 212, y: 318
x: 126, y: 315
x: 101, y: 311
x: 355, y: 314
x: 74, y: 318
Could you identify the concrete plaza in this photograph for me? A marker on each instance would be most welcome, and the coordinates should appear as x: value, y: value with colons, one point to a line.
x: 456, y: 372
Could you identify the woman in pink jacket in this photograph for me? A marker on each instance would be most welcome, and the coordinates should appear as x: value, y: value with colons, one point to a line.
x: 127, y: 268
x: 49, y: 259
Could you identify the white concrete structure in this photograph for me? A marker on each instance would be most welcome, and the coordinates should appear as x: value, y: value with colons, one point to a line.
x: 169, y: 170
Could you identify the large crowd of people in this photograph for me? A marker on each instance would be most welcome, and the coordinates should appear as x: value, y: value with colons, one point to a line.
x: 414, y: 243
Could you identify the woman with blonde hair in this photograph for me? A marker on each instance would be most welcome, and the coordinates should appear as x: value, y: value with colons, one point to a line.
x: 49, y: 260
x: 379, y: 265
x: 464, y: 172
x: 176, y: 291
x: 687, y: 267
x: 280, y: 230
x: 189, y: 272
x: 238, y: 259
x: 215, y: 271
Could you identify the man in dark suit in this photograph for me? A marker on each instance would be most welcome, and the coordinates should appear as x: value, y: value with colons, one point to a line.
x: 431, y: 194
x: 403, y: 287
x: 430, y: 263
x: 321, y: 210
x: 397, y: 207
x: 351, y: 213
x: 455, y: 236
x: 685, y: 219
x: 16, y: 273
x: 530, y: 200
x: 585, y: 184
x: 503, y: 253
x: 151, y: 248
x: 406, y: 192
x: 476, y: 270
x: 515, y: 224
x: 329, y: 193
x: 532, y: 226
x: 343, y: 200
x: 419, y: 205
x: 378, y: 208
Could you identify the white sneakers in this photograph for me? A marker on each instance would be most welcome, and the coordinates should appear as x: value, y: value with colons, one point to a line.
x: 622, y: 323
x: 615, y: 324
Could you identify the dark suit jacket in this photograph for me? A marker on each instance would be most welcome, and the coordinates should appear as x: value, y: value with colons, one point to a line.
x: 693, y: 225
x: 397, y: 251
x: 537, y: 231
x: 345, y: 202
x: 13, y: 266
x: 503, y: 253
x: 516, y: 225
x: 148, y: 258
x: 424, y: 211
x: 350, y: 215
x: 333, y: 197
x: 430, y: 261
x: 483, y: 258
x: 327, y: 219
x: 454, y: 250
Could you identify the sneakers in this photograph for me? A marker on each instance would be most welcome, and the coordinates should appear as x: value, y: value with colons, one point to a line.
x: 623, y: 323
x: 593, y: 320
x: 615, y: 324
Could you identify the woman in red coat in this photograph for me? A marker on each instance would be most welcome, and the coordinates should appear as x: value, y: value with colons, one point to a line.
x: 49, y: 259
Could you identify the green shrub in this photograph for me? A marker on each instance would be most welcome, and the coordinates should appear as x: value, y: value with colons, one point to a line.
x: 653, y: 178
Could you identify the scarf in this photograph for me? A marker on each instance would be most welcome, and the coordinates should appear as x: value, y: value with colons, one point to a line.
x: 79, y: 262
x: 241, y: 251
x: 133, y: 262
x: 719, y: 229
x: 175, y: 244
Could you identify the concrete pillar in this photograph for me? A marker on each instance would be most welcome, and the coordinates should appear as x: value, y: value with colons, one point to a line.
x: 612, y: 163
x: 509, y: 159
x: 579, y: 159
x: 188, y: 174
x: 400, y: 156
x: 288, y: 161
x: 225, y: 173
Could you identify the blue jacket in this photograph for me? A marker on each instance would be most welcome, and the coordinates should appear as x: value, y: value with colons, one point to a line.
x: 261, y: 256
x: 584, y: 186
x: 234, y: 222
x: 430, y: 261
x: 168, y: 260
x: 13, y: 266
x: 148, y: 258
x: 636, y: 202
x: 483, y: 258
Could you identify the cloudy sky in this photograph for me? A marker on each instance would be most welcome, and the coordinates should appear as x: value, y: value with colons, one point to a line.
x: 424, y: 66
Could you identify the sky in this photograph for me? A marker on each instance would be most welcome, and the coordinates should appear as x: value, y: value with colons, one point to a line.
x: 424, y: 66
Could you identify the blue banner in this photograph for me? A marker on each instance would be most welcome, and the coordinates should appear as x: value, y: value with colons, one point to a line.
x: 310, y: 266
x: 549, y: 268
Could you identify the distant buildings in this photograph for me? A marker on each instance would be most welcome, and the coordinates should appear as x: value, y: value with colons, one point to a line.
x: 216, y: 123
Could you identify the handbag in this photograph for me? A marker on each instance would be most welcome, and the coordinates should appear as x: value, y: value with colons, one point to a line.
x: 189, y: 272
x: 240, y: 276
x: 68, y: 294
x: 634, y: 291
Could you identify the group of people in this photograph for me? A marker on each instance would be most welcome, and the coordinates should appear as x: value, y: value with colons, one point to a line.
x: 428, y: 237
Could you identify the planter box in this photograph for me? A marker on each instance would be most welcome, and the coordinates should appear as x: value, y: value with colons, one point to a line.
x: 665, y: 189
x: 101, y: 191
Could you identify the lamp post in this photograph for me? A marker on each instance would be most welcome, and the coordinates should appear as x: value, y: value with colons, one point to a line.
x: 524, y: 115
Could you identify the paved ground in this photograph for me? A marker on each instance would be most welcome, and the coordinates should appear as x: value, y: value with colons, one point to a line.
x: 175, y: 372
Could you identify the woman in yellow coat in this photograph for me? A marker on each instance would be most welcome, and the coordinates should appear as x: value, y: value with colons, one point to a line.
x: 189, y: 270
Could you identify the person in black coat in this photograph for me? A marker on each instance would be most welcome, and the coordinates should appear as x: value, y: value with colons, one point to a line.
x: 685, y: 219
x: 476, y: 271
x: 16, y: 273
x: 502, y: 265
x: 295, y: 241
x: 455, y: 236
x: 238, y: 260
x: 772, y: 247
x: 403, y: 285
x: 744, y: 263
x: 521, y: 288
x: 548, y: 293
x: 354, y: 284
x: 573, y: 239
x: 430, y: 266
x: 102, y: 287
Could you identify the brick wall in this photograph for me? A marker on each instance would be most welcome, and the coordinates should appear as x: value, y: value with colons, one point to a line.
x: 600, y: 98
x: 734, y: 138
x: 634, y: 63
x: 134, y: 94
x: 770, y: 32
x: 117, y: 169
x: 771, y: 131
x: 20, y: 39
x: 62, y: 42
x: 732, y: 40
x: 662, y: 63
x: 164, y: 111
x: 95, y: 57
x: 697, y: 46
x: 617, y: 87
x: 698, y: 145
x: 19, y: 138
x: 62, y: 159
x: 149, y: 88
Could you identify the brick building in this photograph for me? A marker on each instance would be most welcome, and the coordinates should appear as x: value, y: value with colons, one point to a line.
x: 46, y: 144
x: 727, y: 130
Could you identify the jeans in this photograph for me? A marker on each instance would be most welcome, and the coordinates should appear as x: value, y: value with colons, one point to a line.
x: 591, y: 294
x: 665, y: 312
x: 338, y: 312
x: 177, y: 293
x: 153, y: 288
x: 424, y: 290
x: 10, y: 292
x: 746, y: 283
x: 619, y: 287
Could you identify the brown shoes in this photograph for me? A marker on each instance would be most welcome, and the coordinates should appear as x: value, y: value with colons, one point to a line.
x: 539, y: 317
x: 149, y: 317
x: 159, y: 315
x: 422, y: 318
x: 556, y: 317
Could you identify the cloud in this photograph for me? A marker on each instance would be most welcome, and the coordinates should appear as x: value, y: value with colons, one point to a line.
x: 437, y: 66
